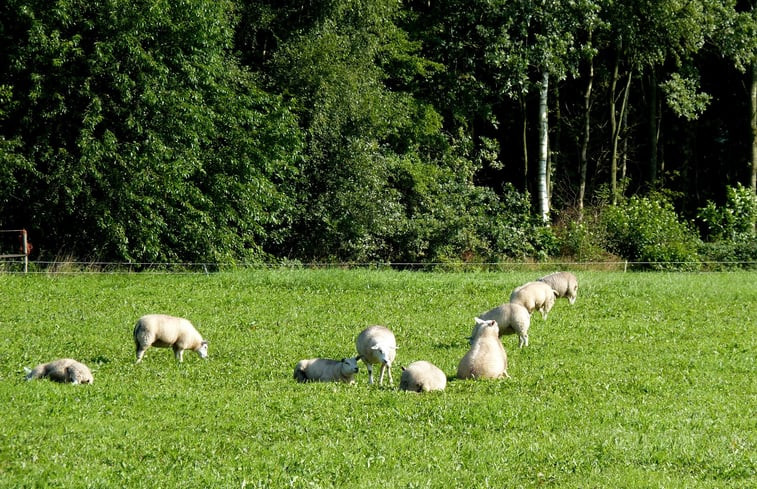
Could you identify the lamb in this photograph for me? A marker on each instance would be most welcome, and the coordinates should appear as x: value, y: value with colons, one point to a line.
x: 564, y: 283
x: 377, y: 345
x: 535, y: 296
x: 512, y: 319
x: 486, y: 358
x: 422, y: 376
x: 61, y: 370
x: 326, y: 370
x: 162, y: 331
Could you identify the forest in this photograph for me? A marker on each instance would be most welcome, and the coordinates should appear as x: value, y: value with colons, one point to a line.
x: 380, y: 131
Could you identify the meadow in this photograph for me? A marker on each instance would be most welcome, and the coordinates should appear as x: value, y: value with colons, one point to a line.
x: 648, y: 380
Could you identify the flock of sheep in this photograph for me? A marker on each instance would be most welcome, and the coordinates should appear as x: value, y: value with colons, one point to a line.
x: 376, y: 345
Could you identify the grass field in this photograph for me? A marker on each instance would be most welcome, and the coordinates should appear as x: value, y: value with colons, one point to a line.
x: 649, y: 380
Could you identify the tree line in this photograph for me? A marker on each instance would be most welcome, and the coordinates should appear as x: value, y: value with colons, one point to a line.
x: 373, y: 130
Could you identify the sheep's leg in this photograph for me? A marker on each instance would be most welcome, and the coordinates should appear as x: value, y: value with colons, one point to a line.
x: 370, y: 372
x: 179, y: 354
x: 140, y: 354
x: 523, y: 341
x: 385, y: 368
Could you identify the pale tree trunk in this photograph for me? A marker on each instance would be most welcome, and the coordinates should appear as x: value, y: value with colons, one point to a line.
x: 541, y: 174
x: 754, y: 127
x: 584, y: 160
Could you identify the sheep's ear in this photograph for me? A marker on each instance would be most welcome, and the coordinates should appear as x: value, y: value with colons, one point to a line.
x: 478, y: 320
x: 357, y: 358
x: 342, y: 360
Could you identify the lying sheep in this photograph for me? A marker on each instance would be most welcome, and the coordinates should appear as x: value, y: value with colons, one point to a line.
x: 377, y: 345
x: 534, y: 296
x: 422, y: 376
x: 326, y: 370
x: 162, y: 331
x: 564, y: 283
x: 62, y: 370
x: 486, y: 358
x: 512, y: 319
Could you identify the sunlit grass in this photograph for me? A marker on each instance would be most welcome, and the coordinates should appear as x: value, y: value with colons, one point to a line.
x: 647, y: 381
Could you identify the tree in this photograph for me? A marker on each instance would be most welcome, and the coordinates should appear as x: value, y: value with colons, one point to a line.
x: 147, y: 140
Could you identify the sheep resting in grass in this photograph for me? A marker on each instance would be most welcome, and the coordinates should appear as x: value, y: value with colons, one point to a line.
x: 512, y: 319
x: 377, y: 345
x: 64, y: 370
x: 486, y: 358
x: 535, y: 296
x: 564, y: 283
x: 162, y: 331
x: 422, y: 376
x: 326, y: 370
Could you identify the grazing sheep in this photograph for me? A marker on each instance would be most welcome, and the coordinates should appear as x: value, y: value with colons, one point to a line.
x: 61, y: 370
x: 422, y: 376
x: 512, y: 319
x: 326, y: 370
x: 564, y: 283
x: 486, y: 358
x: 377, y: 345
x: 535, y: 296
x: 162, y: 331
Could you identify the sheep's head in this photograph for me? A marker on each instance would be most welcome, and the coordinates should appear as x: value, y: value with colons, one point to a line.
x: 349, y: 365
x: 203, y: 350
x: 385, y: 353
x: 485, y: 327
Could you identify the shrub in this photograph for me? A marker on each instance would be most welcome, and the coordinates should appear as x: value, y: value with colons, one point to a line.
x: 735, y: 220
x: 647, y: 229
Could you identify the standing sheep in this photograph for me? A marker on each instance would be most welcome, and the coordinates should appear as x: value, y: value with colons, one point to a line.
x: 162, y: 331
x: 377, y: 345
x: 512, y: 319
x: 422, y: 376
x: 564, y: 283
x: 326, y: 370
x: 61, y: 370
x: 486, y: 358
x: 534, y: 296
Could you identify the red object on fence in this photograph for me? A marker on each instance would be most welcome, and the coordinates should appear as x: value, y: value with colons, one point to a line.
x: 22, y: 239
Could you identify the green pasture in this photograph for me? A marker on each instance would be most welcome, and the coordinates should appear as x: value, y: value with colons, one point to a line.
x: 649, y: 380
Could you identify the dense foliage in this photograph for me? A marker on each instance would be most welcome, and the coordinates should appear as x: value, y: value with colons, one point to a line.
x: 370, y: 130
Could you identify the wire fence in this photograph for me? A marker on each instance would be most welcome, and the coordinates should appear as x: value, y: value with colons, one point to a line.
x: 13, y: 266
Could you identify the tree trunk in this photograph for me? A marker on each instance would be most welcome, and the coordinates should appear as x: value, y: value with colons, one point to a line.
x: 651, y: 177
x: 614, y: 134
x: 584, y: 160
x: 541, y: 175
x: 754, y: 127
x: 524, y: 142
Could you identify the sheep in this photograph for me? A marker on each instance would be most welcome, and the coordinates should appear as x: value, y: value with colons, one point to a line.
x: 422, y: 376
x: 61, y: 370
x: 534, y: 296
x: 326, y: 370
x: 564, y: 283
x: 377, y: 345
x: 162, y: 331
x: 512, y: 319
x: 486, y: 358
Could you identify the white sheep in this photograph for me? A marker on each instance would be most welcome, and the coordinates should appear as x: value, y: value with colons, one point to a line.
x: 535, y: 296
x: 486, y: 358
x: 564, y: 283
x: 512, y: 319
x: 422, y: 376
x: 61, y: 370
x: 326, y: 370
x: 377, y: 345
x: 162, y: 331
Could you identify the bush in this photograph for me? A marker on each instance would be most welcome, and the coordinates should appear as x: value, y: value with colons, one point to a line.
x: 733, y: 221
x: 647, y: 229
